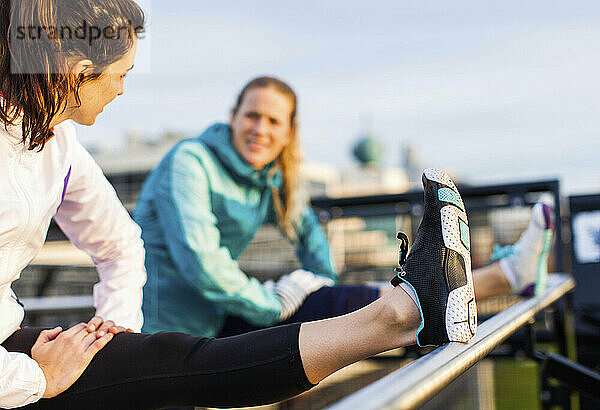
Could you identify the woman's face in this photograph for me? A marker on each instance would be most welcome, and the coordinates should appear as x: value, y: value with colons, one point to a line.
x: 96, y: 94
x: 261, y: 126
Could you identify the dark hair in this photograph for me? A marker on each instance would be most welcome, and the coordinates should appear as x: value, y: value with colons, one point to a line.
x: 40, y: 40
x: 286, y: 201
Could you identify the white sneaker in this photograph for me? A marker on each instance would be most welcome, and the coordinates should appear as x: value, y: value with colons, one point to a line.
x: 526, y: 262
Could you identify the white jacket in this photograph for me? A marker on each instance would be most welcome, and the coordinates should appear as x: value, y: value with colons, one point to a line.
x: 65, y: 183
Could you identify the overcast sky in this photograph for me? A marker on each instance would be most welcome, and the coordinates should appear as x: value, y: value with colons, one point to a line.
x: 496, y: 91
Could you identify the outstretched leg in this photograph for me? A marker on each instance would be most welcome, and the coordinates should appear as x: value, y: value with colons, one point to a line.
x: 523, y: 266
x: 490, y: 281
x: 325, y: 303
x: 328, y: 345
x: 138, y: 371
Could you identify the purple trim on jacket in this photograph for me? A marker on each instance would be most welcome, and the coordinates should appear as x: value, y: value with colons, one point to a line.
x: 62, y: 198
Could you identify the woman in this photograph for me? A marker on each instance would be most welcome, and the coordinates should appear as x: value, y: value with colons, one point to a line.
x: 203, y: 204
x: 103, y: 363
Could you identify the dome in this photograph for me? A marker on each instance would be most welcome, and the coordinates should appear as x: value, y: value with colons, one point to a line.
x: 368, y: 151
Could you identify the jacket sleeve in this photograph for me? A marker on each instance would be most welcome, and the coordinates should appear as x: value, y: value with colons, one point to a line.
x: 93, y: 218
x: 313, y: 249
x: 183, y: 202
x: 21, y: 380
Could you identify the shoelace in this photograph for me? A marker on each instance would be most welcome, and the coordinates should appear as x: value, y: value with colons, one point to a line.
x: 401, y: 258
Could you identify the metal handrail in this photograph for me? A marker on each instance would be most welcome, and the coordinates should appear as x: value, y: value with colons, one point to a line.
x: 420, y: 380
x: 54, y: 304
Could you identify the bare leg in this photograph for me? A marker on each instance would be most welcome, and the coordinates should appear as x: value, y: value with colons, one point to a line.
x: 529, y: 254
x: 490, y: 281
x: 328, y: 345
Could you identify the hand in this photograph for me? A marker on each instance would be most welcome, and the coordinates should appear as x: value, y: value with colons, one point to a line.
x: 292, y: 290
x: 307, y: 281
x: 104, y: 326
x: 269, y: 285
x: 63, y: 356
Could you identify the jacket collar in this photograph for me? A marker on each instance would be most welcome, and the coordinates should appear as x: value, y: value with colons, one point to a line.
x: 217, y: 138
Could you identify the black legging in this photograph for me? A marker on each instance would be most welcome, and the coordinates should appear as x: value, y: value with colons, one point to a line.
x: 324, y: 303
x: 139, y: 371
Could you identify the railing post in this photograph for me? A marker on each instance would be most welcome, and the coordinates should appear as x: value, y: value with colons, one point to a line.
x: 530, y: 339
x: 552, y: 394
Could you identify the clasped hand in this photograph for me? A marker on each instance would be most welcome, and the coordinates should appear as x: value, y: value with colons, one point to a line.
x: 64, y: 355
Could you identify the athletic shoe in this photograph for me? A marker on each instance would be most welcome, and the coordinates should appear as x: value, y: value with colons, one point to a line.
x: 438, y: 267
x: 525, y: 264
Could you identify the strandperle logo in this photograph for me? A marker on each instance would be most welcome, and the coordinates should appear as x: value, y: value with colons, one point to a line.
x: 84, y: 31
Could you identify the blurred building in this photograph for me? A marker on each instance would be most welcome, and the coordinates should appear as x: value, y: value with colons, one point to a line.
x: 368, y: 177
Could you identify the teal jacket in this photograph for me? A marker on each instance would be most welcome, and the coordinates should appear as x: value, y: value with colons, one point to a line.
x: 199, y: 209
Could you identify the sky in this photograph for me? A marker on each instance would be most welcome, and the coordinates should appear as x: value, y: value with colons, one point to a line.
x: 495, y: 91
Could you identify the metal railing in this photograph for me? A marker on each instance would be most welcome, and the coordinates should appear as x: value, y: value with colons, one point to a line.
x: 415, y: 383
x: 58, y: 304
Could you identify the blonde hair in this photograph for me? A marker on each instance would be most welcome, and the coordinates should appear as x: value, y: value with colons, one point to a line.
x: 286, y: 201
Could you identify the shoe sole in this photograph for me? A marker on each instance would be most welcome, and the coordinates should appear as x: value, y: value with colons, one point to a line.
x: 461, y: 308
x: 542, y: 268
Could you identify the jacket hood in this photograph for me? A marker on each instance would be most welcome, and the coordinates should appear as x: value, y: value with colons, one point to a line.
x: 217, y: 138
